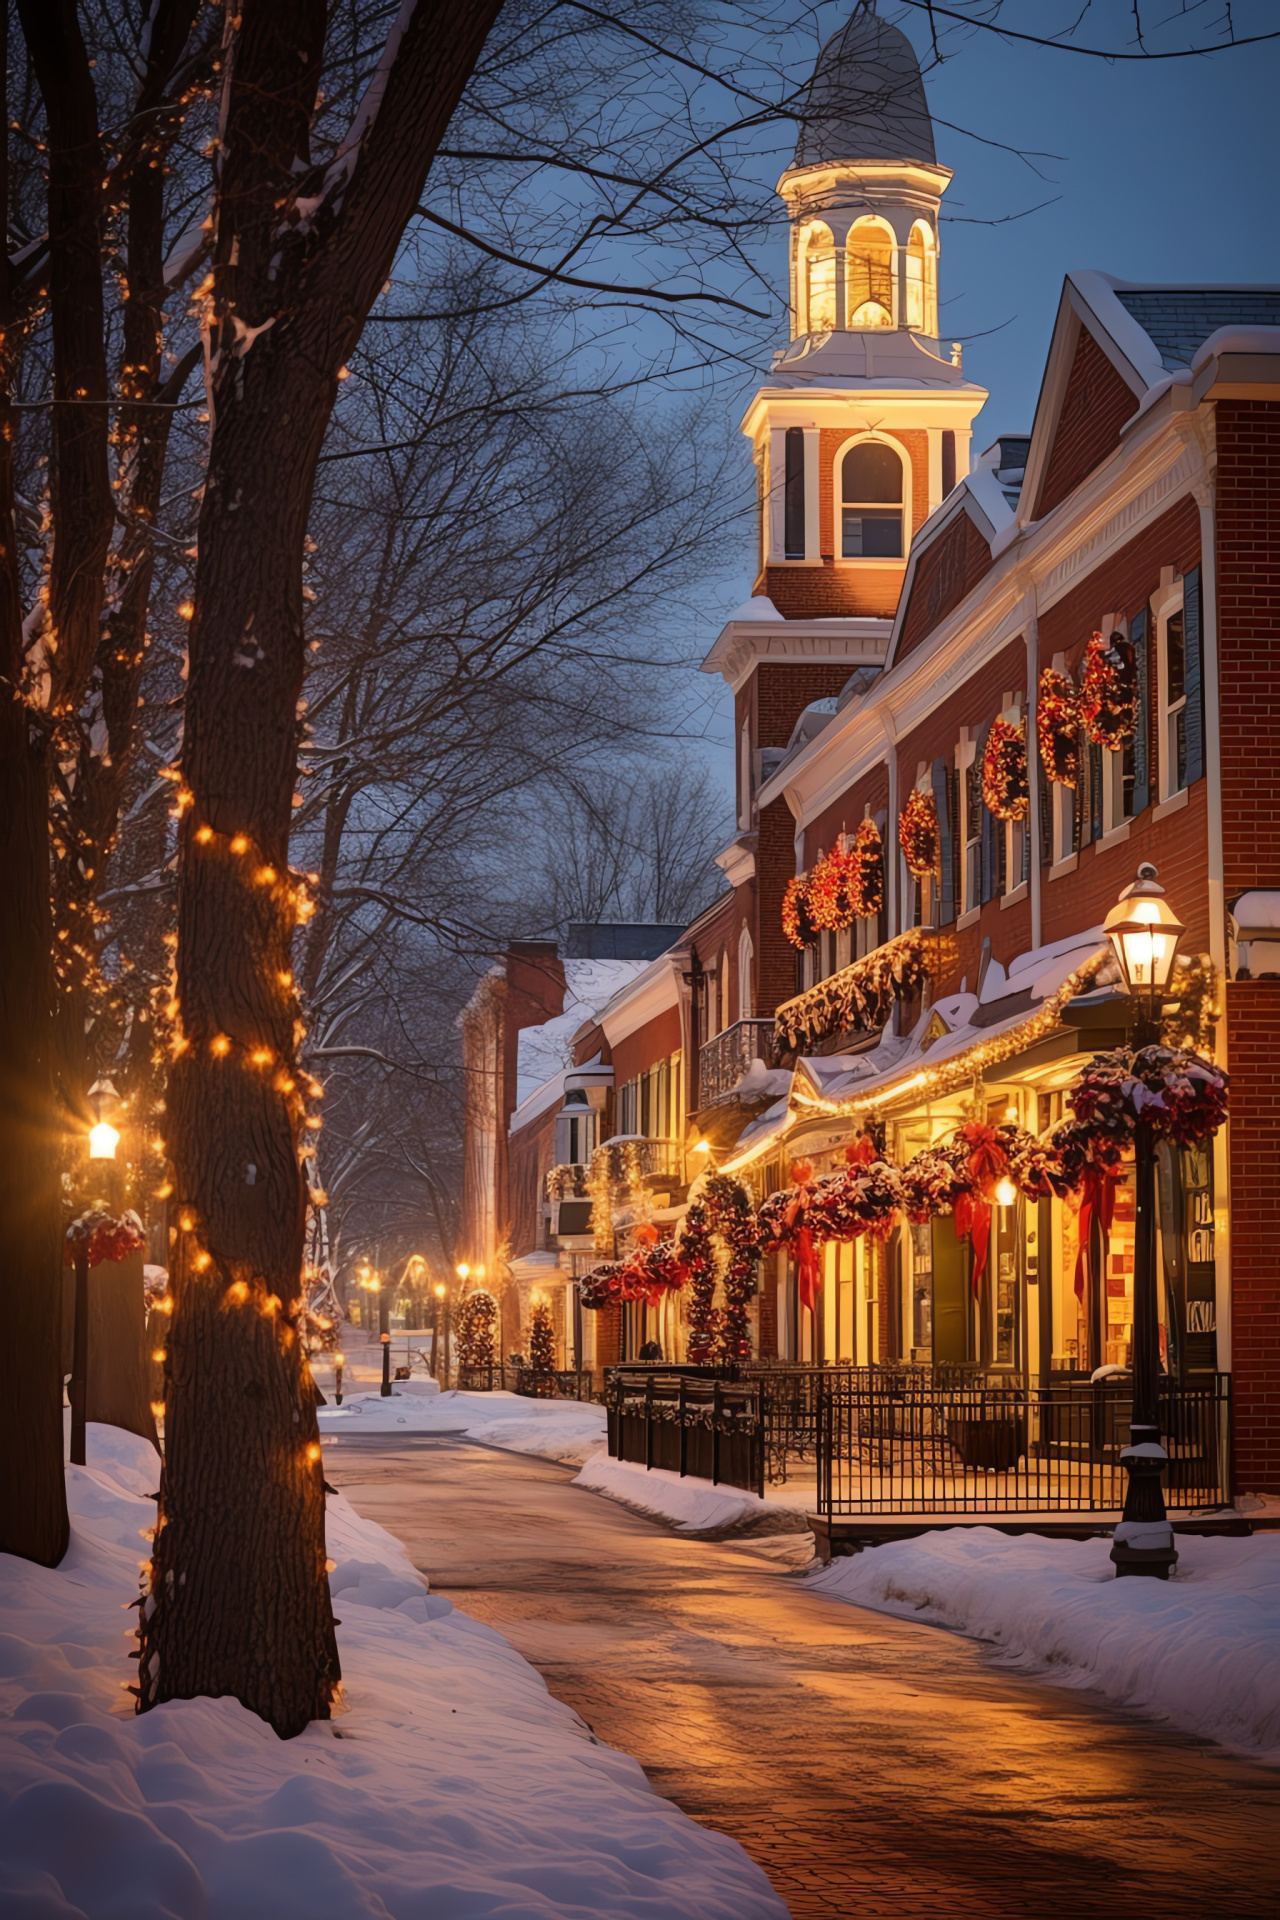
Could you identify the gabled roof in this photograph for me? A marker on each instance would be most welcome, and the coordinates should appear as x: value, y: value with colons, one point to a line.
x: 981, y: 500
x: 1146, y: 332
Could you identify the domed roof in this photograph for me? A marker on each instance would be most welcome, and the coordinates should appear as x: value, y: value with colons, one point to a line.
x: 866, y: 98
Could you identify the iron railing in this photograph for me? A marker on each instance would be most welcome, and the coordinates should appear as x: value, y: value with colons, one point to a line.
x: 893, y: 1444
x: 690, y: 1421
x: 724, y: 1058
x: 563, y: 1383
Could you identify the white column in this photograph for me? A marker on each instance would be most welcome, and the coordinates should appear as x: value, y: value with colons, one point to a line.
x: 964, y: 438
x: 842, y: 291
x: 1035, y: 772
x: 776, y: 517
x: 812, y: 493
x: 935, y: 467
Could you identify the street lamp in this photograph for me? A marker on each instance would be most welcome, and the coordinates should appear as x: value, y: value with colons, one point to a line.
x: 103, y: 1137
x: 1144, y: 931
x: 438, y: 1293
x: 371, y: 1281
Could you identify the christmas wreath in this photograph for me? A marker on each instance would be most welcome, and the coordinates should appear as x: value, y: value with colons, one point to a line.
x: 1109, y: 691
x: 1005, y: 791
x: 831, y: 906
x: 797, y: 915
x: 868, y: 860
x: 1058, y: 727
x: 103, y: 1237
x: 720, y: 1239
x: 918, y: 833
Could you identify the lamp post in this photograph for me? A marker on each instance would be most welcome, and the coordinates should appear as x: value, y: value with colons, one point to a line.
x: 371, y: 1280
x: 1144, y: 932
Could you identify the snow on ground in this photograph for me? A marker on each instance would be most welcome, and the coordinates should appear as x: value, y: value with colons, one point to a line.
x: 451, y: 1785
x: 567, y: 1430
x: 696, y: 1506
x: 1201, y: 1650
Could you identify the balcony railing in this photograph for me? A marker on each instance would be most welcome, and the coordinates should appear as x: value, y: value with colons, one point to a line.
x: 629, y: 1156
x: 859, y: 998
x: 726, y: 1057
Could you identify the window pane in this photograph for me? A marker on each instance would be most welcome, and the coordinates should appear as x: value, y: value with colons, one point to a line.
x: 872, y: 535
x: 822, y: 292
x: 1178, y: 749
x: 1175, y: 659
x: 871, y: 472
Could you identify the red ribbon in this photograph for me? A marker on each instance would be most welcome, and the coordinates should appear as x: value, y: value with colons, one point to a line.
x: 806, y: 1258
x: 973, y: 1218
x: 1097, y: 1195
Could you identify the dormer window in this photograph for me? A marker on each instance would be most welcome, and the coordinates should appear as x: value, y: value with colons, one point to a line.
x: 869, y: 269
x: 871, y: 502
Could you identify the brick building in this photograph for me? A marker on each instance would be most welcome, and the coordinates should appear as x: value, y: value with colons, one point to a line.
x: 910, y: 596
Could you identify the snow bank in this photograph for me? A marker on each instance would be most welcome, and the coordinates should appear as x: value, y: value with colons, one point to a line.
x: 567, y: 1430
x: 451, y: 1785
x: 1201, y: 1650
x: 695, y: 1506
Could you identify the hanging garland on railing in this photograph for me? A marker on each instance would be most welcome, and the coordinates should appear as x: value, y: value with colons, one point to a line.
x: 918, y: 833
x: 719, y: 1239
x: 859, y: 999
x: 797, y: 916
x: 1058, y: 727
x: 651, y: 1269
x: 1005, y: 791
x: 1109, y: 691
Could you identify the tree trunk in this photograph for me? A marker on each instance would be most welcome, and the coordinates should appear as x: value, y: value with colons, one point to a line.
x: 33, y: 1506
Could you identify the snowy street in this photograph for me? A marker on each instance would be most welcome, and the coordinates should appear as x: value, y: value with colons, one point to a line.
x: 871, y: 1765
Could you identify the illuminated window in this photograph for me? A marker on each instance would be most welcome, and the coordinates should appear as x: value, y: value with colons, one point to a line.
x: 922, y: 304
x: 869, y: 271
x: 819, y: 279
x: 871, y: 502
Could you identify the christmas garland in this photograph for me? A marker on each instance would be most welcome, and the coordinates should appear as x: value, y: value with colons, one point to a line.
x: 918, y: 833
x: 568, y: 1181
x: 868, y: 859
x: 1058, y: 727
x: 103, y: 1237
x: 1177, y: 1093
x: 652, y: 1268
x: 720, y: 1238
x: 1005, y: 792
x: 1109, y: 691
x: 797, y: 916
x: 831, y: 897
x: 542, y: 1340
x: 477, y: 1327
x: 859, y: 999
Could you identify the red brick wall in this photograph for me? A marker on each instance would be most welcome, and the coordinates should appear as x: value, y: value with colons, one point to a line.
x: 529, y: 1155
x: 1095, y: 406
x: 950, y: 569
x: 980, y: 698
x: 1253, y: 1041
x: 845, y: 814
x: 1248, y: 532
x: 801, y: 593
x: 779, y: 691
x: 646, y: 1046
x: 775, y: 864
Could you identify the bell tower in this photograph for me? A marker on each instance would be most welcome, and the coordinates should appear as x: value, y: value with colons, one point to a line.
x: 864, y: 424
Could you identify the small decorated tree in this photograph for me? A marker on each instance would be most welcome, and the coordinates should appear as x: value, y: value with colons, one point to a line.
x: 477, y: 1329
x: 542, y: 1340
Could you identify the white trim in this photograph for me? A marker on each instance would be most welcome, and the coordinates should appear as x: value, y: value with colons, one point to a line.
x: 1169, y: 601
x: 1064, y: 867
x: 1020, y: 892
x: 652, y: 993
x: 812, y: 495
x: 1174, y: 804
x: 1117, y: 835
x: 969, y: 918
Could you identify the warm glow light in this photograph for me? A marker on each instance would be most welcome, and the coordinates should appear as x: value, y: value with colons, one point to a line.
x: 1006, y: 1192
x: 702, y: 1146
x: 103, y: 1141
x: 220, y: 1045
x: 440, y: 1289
x: 239, y: 844
x: 462, y: 1269
x: 204, y: 835
x: 313, y: 1453
x: 1144, y: 932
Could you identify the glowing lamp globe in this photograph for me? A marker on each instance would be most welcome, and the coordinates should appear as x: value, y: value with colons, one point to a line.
x: 103, y: 1141
x: 1144, y: 931
x: 1006, y: 1192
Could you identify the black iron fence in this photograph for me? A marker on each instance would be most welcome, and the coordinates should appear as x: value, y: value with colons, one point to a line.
x: 913, y: 1440
x: 690, y: 1421
x: 565, y: 1383
x: 724, y: 1058
x: 895, y: 1443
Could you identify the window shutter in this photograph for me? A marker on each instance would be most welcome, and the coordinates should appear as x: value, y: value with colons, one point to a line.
x: 1046, y: 819
x: 1095, y: 791
x: 1142, y: 718
x: 988, y: 824
x: 1080, y: 793
x: 946, y: 844
x: 1193, y: 631
x: 956, y: 802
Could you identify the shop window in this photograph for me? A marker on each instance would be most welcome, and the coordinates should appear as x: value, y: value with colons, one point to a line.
x: 871, y: 496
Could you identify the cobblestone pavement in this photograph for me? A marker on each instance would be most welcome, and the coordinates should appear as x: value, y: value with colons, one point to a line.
x: 872, y: 1767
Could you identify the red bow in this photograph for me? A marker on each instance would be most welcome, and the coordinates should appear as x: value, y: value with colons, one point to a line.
x: 1097, y: 1195
x: 802, y: 1248
x: 973, y: 1218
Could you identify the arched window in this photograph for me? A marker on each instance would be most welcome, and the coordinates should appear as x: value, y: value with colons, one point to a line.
x: 922, y: 283
x: 819, y: 278
x: 869, y: 268
x: 746, y: 997
x: 871, y: 502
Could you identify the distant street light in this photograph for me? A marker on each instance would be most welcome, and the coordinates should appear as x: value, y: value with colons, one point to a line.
x: 1145, y: 932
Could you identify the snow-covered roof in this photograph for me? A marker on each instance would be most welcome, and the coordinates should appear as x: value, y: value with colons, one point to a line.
x: 546, y: 1051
